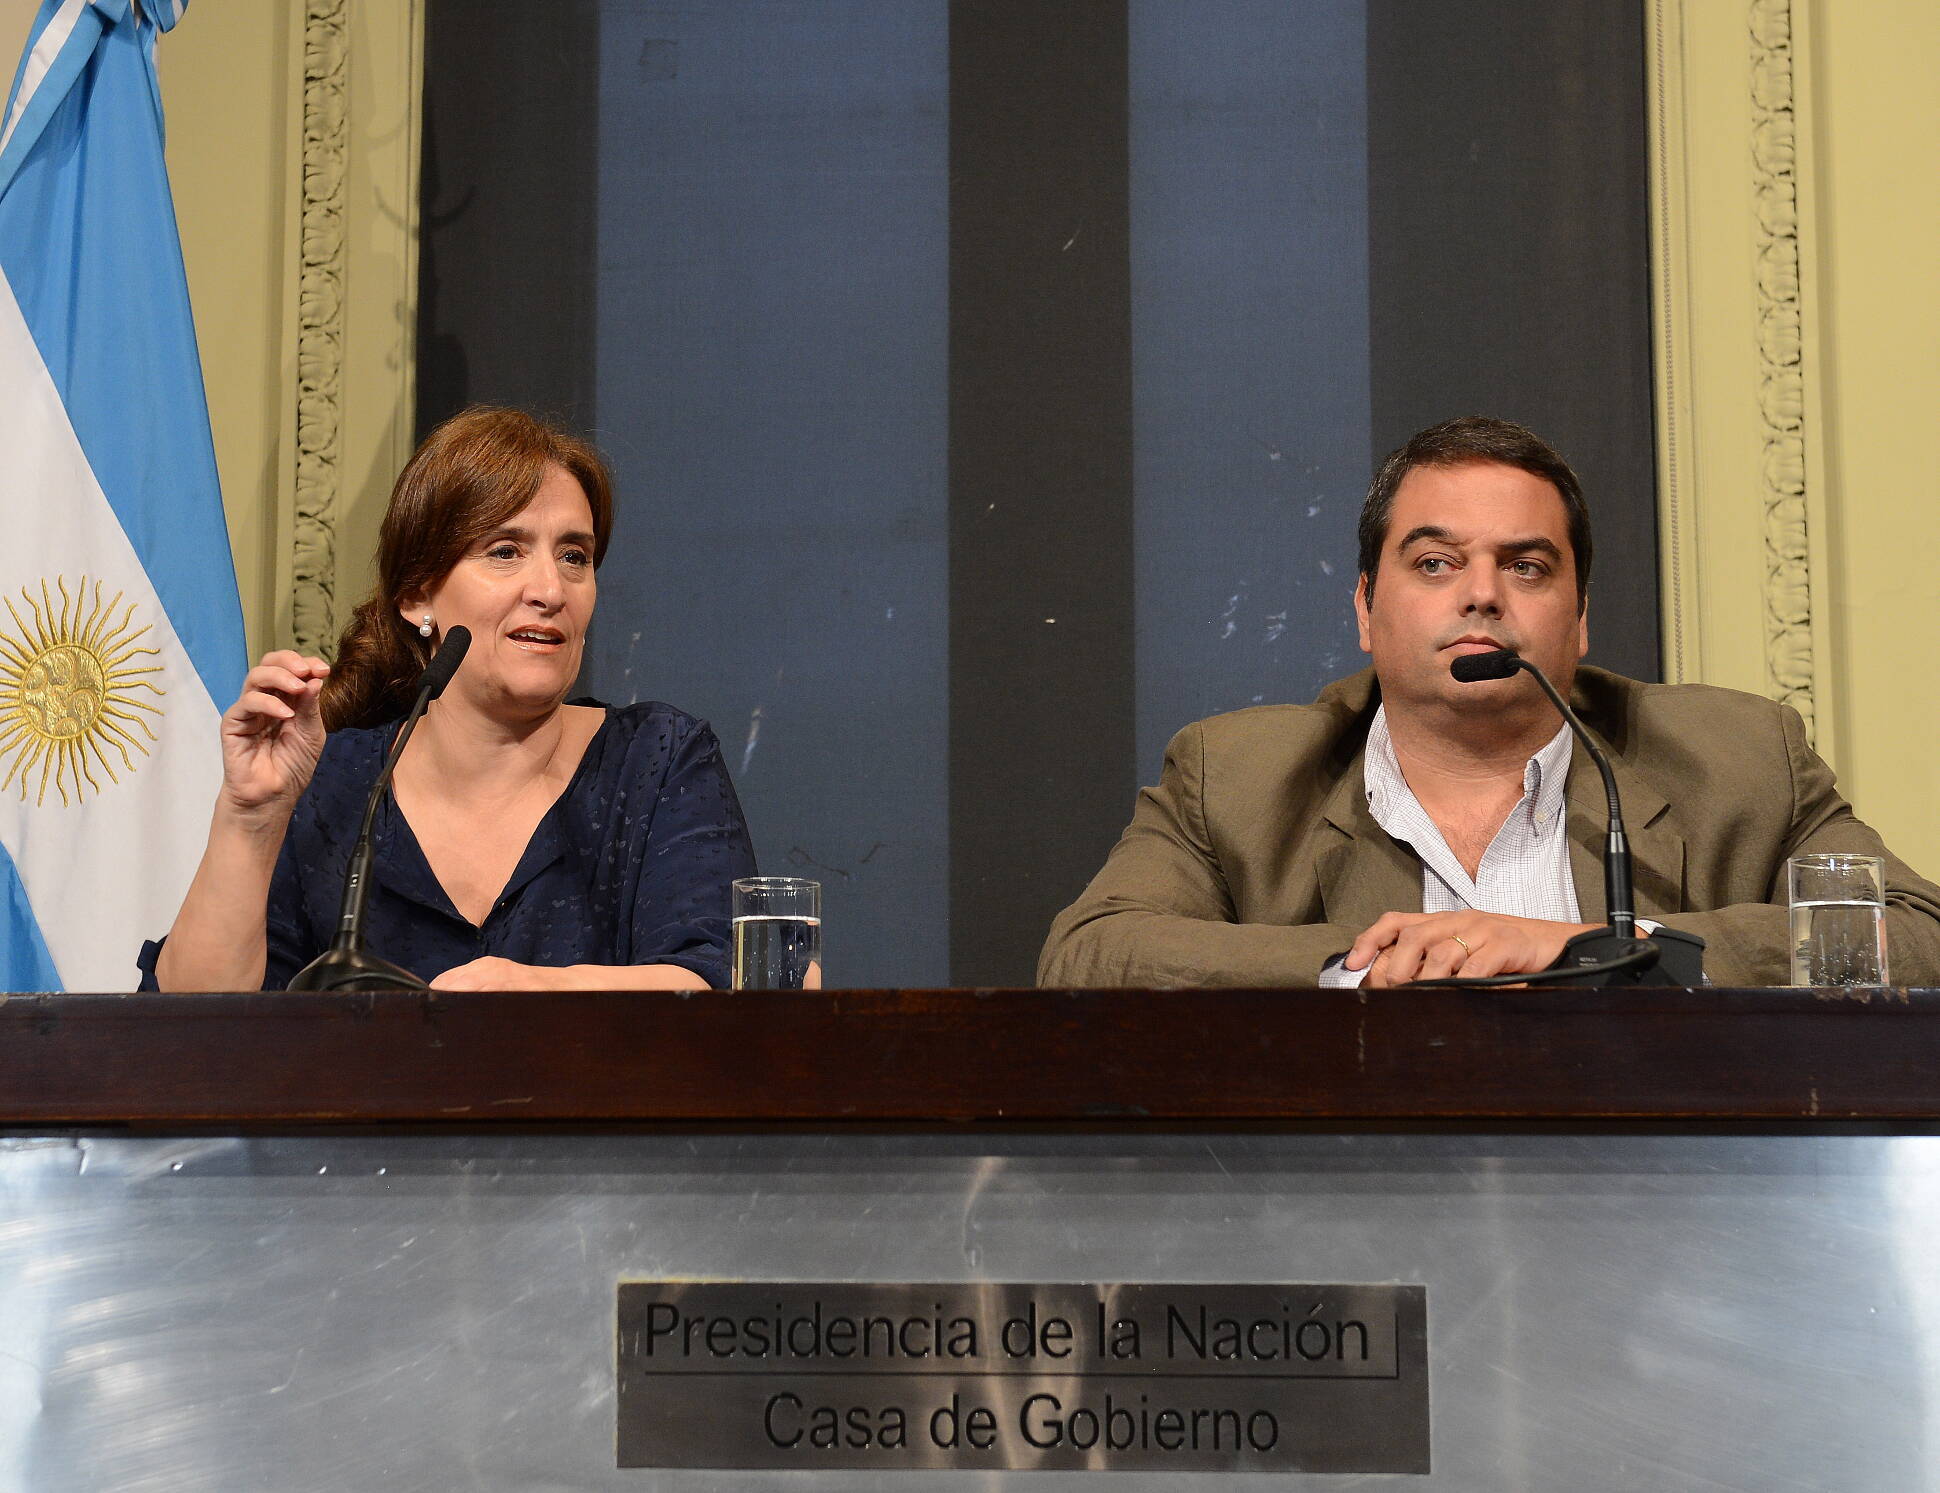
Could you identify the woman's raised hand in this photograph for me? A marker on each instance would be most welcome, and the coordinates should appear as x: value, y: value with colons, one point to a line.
x: 273, y: 734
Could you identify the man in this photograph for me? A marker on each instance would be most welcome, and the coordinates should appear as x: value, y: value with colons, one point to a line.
x: 1406, y: 826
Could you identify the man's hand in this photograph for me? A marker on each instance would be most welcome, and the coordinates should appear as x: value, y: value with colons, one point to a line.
x: 1403, y: 946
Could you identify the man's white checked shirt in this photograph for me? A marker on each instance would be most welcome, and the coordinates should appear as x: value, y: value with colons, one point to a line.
x: 1525, y: 872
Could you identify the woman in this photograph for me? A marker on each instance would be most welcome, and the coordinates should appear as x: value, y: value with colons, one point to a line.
x: 527, y: 843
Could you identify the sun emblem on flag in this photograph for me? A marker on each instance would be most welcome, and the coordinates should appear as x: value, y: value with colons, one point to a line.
x: 71, y: 677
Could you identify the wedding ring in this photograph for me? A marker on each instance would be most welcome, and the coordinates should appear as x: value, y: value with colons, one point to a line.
x: 1466, y: 950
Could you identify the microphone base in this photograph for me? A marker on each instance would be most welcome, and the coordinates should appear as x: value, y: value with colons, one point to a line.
x: 353, y: 969
x: 1679, y: 959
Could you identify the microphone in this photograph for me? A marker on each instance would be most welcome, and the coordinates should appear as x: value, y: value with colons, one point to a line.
x: 1473, y: 668
x: 1584, y: 956
x: 345, y: 965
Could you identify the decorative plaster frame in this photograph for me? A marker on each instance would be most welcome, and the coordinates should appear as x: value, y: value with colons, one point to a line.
x: 323, y: 263
x: 1789, y: 651
x: 351, y: 415
x: 1742, y: 501
x: 1741, y: 491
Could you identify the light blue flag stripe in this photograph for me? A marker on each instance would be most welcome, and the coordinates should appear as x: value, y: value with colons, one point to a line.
x: 140, y: 442
x: 59, y: 44
x: 25, y: 963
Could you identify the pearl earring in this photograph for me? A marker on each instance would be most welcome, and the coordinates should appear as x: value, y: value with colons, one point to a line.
x: 424, y: 627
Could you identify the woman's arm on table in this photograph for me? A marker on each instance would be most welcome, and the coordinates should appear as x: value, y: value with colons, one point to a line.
x: 504, y: 974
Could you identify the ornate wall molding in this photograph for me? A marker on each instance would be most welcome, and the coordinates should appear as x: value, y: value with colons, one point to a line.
x: 322, y: 275
x: 1781, y: 373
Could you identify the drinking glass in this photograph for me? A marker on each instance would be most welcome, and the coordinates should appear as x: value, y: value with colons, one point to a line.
x: 777, y: 933
x: 1838, y: 919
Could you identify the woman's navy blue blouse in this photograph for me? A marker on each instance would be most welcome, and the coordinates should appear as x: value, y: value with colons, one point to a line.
x: 631, y: 864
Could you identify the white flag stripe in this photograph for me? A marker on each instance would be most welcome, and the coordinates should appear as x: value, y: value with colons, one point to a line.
x: 118, y: 866
x: 47, y: 46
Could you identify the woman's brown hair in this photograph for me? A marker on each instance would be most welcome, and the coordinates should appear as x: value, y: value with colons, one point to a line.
x: 465, y: 482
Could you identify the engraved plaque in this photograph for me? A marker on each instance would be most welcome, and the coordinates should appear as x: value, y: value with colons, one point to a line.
x: 1189, y: 1378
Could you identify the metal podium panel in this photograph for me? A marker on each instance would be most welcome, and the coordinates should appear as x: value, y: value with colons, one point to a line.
x: 1727, y: 1311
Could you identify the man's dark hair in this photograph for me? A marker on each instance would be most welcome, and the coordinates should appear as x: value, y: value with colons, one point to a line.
x: 1455, y: 443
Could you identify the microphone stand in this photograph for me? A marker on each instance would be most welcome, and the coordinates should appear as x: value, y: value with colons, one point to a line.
x: 347, y: 964
x: 1617, y: 897
x: 1612, y: 955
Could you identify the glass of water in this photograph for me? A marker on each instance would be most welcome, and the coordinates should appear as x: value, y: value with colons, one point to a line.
x: 777, y: 933
x: 1838, y: 919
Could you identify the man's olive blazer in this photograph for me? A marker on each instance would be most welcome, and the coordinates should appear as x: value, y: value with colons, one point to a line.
x: 1255, y: 860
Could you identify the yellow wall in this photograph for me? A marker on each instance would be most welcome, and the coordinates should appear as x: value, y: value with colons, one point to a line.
x: 1795, y: 217
x: 15, y: 16
x: 228, y: 86
x: 1876, y: 141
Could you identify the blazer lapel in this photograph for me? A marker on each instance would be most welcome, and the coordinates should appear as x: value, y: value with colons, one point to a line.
x: 1365, y: 871
x: 1656, y: 850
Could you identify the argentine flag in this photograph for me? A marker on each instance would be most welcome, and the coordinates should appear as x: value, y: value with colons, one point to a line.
x: 120, y: 628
